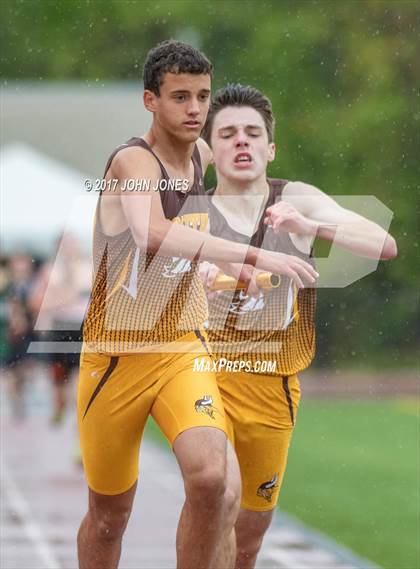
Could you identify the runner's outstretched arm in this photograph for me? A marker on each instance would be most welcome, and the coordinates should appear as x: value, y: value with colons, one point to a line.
x: 153, y: 232
x: 306, y: 210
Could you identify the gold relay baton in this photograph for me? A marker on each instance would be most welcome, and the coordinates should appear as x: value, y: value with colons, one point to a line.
x: 263, y: 280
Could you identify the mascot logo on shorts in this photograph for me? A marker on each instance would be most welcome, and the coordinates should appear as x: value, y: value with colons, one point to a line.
x: 205, y: 406
x: 266, y: 489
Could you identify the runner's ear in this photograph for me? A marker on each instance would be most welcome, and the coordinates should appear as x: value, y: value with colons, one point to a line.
x: 149, y: 100
x: 271, y: 151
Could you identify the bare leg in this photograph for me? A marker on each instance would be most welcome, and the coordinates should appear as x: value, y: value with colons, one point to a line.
x: 201, y: 454
x: 250, y: 529
x: 18, y: 392
x: 59, y: 380
x: 226, y: 554
x: 100, y: 534
x: 72, y: 399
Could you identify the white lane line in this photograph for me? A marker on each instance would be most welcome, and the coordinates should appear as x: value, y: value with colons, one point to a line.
x: 32, y: 529
x: 311, y: 559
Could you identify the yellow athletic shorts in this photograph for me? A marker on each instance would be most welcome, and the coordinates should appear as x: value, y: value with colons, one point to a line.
x: 117, y: 393
x: 260, y: 415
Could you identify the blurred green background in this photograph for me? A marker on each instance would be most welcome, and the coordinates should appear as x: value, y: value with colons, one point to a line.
x: 344, y: 80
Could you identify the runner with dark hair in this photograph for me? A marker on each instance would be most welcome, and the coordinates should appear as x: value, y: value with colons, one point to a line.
x: 144, y: 324
x: 263, y: 341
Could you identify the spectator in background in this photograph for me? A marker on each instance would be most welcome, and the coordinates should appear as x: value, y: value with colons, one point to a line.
x: 59, y: 300
x: 19, y: 329
x: 4, y: 285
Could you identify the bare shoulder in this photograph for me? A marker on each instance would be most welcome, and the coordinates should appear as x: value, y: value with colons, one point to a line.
x: 129, y: 166
x: 304, y: 197
x: 133, y: 161
x: 206, y: 154
x: 298, y: 188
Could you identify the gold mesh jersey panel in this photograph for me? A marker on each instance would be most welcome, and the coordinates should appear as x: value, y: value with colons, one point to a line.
x: 142, y: 299
x: 278, y: 326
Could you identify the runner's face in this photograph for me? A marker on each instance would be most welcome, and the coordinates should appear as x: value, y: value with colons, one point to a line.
x: 183, y: 104
x: 240, y: 144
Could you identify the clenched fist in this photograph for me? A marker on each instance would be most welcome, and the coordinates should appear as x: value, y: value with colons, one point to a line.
x: 283, y: 216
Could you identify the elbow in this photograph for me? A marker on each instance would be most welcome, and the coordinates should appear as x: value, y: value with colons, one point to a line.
x: 154, y: 241
x: 390, y: 250
x: 148, y: 241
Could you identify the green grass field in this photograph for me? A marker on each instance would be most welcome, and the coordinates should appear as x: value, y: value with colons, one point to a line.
x: 353, y: 474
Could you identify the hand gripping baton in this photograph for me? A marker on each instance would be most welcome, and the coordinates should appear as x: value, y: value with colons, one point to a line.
x: 263, y: 280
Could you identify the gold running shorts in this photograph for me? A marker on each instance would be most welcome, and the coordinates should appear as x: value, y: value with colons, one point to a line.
x: 116, y: 394
x: 260, y: 415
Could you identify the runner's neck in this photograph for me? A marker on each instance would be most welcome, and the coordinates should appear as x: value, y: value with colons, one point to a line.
x: 174, y: 154
x: 242, y: 210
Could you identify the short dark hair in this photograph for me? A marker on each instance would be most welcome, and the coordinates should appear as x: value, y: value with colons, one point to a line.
x: 171, y: 56
x: 237, y: 95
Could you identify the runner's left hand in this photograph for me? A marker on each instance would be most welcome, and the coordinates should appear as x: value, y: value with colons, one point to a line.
x: 283, y: 216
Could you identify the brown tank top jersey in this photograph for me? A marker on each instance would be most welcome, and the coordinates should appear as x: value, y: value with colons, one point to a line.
x: 278, y: 326
x: 140, y: 299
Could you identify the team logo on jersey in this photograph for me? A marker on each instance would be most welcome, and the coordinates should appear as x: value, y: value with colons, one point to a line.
x: 266, y: 490
x: 243, y: 304
x: 197, y: 221
x: 178, y: 265
x: 205, y: 406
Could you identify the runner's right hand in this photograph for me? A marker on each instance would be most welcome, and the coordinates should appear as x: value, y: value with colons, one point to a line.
x: 245, y: 273
x: 301, y: 272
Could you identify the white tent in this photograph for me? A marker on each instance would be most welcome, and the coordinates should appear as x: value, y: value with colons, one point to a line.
x: 40, y: 199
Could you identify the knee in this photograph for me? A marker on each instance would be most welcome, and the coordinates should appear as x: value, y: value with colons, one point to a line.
x: 232, y: 500
x: 249, y: 537
x: 109, y: 526
x: 249, y: 546
x: 207, y: 485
